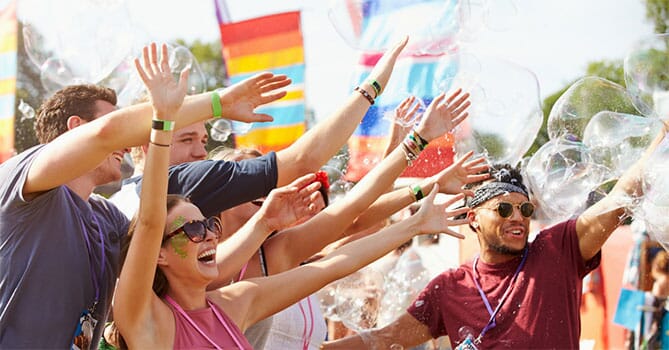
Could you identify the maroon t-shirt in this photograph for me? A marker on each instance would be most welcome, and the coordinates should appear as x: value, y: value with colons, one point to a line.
x: 541, y: 311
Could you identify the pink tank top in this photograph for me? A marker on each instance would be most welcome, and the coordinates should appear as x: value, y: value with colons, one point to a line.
x: 187, y: 337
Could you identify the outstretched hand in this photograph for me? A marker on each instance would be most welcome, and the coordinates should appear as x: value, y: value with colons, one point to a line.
x: 453, y: 178
x: 239, y: 101
x: 403, y: 121
x: 293, y: 203
x: 384, y: 67
x: 443, y: 116
x: 166, y: 94
x: 436, y: 218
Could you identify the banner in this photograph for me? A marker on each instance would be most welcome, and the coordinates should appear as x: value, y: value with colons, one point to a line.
x: 270, y: 43
x: 414, y: 74
x: 8, y: 29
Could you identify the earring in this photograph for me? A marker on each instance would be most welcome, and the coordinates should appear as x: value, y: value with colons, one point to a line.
x: 475, y: 225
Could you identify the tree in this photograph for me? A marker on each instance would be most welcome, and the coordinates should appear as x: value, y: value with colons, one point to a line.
x: 29, y: 90
x: 657, y: 11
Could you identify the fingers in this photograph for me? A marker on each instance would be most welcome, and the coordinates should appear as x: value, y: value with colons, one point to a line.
x: 265, y: 99
x: 477, y: 178
x: 164, y: 61
x: 261, y: 118
x: 463, y: 158
x: 450, y: 232
x: 303, y: 181
x: 274, y: 83
x: 140, y: 71
x: 453, y: 96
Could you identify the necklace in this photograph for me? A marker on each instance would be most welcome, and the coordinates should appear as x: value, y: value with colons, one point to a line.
x: 491, y: 322
x: 306, y: 339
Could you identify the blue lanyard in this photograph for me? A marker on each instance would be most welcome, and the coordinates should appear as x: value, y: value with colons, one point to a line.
x: 491, y: 322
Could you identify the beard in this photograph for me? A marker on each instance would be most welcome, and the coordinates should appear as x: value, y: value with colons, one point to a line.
x: 500, y: 248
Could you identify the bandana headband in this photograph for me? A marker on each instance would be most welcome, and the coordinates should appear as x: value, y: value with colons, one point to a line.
x: 494, y: 189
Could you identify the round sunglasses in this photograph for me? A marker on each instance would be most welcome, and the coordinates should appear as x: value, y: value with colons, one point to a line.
x: 505, y: 209
x: 196, y: 230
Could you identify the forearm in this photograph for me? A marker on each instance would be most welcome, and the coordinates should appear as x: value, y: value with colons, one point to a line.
x: 319, y: 144
x: 233, y: 253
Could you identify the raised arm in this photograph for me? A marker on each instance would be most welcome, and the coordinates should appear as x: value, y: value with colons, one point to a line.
x: 87, y: 144
x: 283, y: 207
x: 596, y: 224
x: 327, y: 226
x: 269, y: 295
x: 320, y: 143
x: 134, y: 295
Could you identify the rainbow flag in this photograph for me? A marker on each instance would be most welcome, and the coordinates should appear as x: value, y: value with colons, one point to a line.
x: 8, y: 28
x: 270, y: 43
x: 414, y: 74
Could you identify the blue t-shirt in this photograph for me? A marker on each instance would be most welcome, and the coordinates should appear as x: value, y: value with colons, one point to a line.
x: 45, y: 265
x: 212, y: 185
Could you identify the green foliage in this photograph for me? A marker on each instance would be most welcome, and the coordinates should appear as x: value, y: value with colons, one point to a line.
x: 657, y: 11
x: 609, y: 70
x: 29, y: 90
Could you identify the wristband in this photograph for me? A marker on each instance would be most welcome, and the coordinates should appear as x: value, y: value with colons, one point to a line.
x: 417, y: 192
x: 162, y: 125
x: 366, y: 94
x: 376, y: 86
x: 159, y: 144
x: 216, y: 108
x: 424, y: 141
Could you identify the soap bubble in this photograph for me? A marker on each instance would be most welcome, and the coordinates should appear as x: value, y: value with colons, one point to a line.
x: 376, y: 25
x: 585, y: 98
x: 88, y: 40
x: 27, y: 111
x: 505, y: 115
x: 654, y: 204
x: 617, y: 140
x: 561, y: 176
x: 646, y: 75
x: 357, y: 297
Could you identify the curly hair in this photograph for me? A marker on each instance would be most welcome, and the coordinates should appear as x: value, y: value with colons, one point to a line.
x: 79, y: 100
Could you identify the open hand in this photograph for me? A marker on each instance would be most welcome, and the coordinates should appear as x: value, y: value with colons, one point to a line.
x: 404, y: 120
x: 443, y: 116
x: 239, y: 101
x: 384, y: 67
x: 453, y: 178
x: 436, y: 218
x: 293, y: 203
x: 166, y: 94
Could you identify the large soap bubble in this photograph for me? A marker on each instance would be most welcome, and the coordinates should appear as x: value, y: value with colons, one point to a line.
x: 617, y: 140
x: 84, y: 44
x: 654, y: 204
x: 505, y: 115
x: 371, y: 25
x: 129, y: 87
x: 585, y: 98
x: 357, y: 297
x: 646, y: 74
x: 562, y: 176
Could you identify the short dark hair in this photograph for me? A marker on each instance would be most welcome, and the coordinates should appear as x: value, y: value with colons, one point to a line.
x: 79, y: 100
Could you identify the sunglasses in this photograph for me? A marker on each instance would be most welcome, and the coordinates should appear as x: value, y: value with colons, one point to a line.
x: 505, y: 209
x: 196, y: 230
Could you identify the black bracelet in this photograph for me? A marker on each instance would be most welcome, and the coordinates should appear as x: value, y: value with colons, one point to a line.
x: 366, y: 94
x: 159, y: 144
x: 162, y: 125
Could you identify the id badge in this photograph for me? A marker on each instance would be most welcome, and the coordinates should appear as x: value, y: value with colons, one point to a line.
x: 467, y: 344
x: 83, y: 335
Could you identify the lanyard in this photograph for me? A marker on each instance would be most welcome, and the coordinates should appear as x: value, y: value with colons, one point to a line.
x: 197, y: 328
x: 491, y: 322
x: 97, y: 279
x: 306, y: 339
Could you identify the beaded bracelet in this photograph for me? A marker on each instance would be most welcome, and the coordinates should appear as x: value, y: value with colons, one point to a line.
x: 366, y: 94
x: 409, y: 155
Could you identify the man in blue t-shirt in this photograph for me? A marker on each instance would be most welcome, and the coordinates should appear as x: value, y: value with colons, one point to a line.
x: 59, y: 244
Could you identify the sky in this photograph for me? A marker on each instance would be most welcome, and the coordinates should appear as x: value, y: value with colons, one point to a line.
x: 554, y: 39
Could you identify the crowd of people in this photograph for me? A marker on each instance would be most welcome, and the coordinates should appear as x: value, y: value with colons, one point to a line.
x: 227, y: 252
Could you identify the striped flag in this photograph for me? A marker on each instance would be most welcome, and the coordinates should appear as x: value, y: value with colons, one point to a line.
x: 414, y: 74
x: 270, y: 43
x: 8, y: 28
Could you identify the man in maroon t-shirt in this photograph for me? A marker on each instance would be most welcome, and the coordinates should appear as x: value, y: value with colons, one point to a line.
x: 515, y: 294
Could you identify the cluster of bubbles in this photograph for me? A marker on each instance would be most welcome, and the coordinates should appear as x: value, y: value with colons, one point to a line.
x: 93, y: 42
x: 378, y: 294
x: 435, y: 26
x: 597, y: 130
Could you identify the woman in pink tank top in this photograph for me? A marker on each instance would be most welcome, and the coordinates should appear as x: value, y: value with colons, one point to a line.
x: 162, y: 300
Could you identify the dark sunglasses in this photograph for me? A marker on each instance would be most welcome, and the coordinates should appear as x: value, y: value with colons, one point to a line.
x: 196, y: 230
x: 505, y: 209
